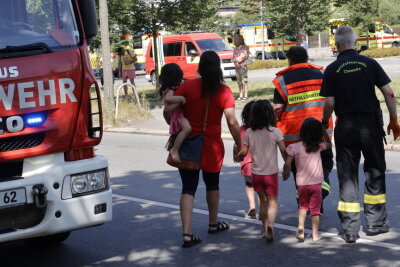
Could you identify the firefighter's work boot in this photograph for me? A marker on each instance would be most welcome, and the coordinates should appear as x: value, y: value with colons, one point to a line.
x: 378, y: 229
x: 349, y: 238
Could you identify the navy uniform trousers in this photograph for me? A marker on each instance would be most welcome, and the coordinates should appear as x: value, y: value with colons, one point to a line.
x: 356, y: 134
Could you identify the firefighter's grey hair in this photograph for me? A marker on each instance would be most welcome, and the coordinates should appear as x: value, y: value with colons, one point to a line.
x: 344, y: 36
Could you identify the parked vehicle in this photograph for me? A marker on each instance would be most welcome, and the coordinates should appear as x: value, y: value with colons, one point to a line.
x: 275, y: 44
x: 379, y: 35
x: 51, y: 180
x: 185, y: 50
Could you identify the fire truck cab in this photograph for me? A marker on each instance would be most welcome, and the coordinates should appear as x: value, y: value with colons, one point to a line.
x: 51, y: 180
x: 185, y: 50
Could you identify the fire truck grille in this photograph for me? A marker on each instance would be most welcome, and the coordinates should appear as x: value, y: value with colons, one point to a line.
x: 21, y: 142
x: 21, y: 217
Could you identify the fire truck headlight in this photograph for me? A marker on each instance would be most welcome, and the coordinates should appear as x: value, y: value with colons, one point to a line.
x: 87, y: 183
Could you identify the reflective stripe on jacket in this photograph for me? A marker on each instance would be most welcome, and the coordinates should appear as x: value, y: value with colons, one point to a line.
x: 302, y: 100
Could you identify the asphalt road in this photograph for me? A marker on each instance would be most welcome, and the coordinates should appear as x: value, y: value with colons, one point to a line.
x: 146, y: 229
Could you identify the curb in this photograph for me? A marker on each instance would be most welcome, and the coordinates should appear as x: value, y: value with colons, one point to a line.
x: 389, y: 147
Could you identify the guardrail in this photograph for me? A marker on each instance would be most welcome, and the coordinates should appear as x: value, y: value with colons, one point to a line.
x: 117, y: 99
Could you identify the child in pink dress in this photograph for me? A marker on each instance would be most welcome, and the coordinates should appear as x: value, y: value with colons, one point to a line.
x: 245, y: 165
x: 307, y: 157
x: 170, y: 78
x: 263, y: 139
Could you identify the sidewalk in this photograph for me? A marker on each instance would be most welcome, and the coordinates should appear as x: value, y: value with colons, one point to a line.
x: 158, y: 126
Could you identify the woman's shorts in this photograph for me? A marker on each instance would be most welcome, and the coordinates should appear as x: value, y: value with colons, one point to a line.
x: 266, y: 183
x: 241, y: 75
x: 310, y: 198
x: 128, y: 74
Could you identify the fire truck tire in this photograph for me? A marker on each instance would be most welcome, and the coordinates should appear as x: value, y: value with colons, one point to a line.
x: 233, y: 78
x: 363, y: 48
x: 153, y: 78
x: 48, y: 240
x: 395, y: 44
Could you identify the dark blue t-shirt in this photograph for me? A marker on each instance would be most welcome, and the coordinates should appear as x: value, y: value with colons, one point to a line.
x: 351, y: 80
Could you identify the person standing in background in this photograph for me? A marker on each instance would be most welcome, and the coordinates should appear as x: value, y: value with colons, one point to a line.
x: 127, y: 61
x: 240, y: 54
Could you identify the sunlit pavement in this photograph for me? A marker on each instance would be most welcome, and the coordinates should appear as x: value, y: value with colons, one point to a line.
x: 146, y: 229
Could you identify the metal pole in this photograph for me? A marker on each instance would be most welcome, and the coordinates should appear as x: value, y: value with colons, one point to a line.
x: 262, y: 31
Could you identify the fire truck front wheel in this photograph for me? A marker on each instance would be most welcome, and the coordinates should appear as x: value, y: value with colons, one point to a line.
x: 48, y: 240
x: 395, y: 44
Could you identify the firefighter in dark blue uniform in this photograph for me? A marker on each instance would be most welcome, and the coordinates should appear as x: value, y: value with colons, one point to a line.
x: 349, y: 87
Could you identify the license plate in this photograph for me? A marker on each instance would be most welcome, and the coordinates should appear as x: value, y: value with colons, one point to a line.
x: 13, y: 197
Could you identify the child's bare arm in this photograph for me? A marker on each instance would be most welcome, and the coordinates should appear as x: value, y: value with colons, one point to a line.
x: 287, y: 167
x: 169, y: 97
x: 282, y: 149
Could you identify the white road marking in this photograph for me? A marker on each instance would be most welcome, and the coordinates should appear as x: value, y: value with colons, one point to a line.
x: 241, y: 219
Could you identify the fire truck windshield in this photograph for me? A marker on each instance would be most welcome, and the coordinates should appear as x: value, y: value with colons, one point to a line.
x: 25, y: 23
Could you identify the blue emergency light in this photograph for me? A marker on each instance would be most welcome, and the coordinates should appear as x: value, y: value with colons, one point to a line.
x: 35, y: 119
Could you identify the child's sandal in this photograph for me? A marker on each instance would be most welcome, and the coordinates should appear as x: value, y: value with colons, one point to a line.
x: 193, y: 240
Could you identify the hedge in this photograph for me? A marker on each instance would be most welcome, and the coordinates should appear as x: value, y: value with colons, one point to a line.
x: 267, y: 64
x: 386, y: 52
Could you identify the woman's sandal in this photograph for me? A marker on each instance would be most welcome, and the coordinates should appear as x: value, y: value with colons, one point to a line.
x: 193, y: 240
x: 219, y: 227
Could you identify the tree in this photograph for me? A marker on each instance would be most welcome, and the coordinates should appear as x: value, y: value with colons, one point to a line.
x: 295, y: 16
x: 106, y: 53
x: 139, y: 16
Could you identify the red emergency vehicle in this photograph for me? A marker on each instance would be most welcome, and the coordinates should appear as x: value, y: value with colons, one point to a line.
x: 185, y: 50
x: 51, y: 180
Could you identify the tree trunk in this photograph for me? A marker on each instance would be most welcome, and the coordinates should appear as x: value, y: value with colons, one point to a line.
x: 154, y: 30
x: 106, y: 53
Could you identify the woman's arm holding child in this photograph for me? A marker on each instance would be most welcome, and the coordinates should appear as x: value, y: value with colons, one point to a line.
x: 169, y: 97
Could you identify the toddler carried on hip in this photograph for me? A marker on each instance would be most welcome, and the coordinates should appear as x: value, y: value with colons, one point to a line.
x: 170, y: 78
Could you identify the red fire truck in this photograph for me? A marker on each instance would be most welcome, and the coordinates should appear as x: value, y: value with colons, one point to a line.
x: 51, y: 180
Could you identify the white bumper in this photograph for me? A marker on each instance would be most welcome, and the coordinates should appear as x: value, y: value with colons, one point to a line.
x: 228, y: 70
x: 76, y: 212
x: 148, y: 77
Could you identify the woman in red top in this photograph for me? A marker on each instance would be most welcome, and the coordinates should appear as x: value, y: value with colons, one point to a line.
x: 197, y: 92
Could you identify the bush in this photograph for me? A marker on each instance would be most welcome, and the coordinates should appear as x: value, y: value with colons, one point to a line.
x: 267, y: 64
x: 386, y: 52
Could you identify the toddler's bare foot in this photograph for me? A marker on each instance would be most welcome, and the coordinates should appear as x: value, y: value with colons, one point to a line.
x: 270, y: 234
x: 316, y: 238
x: 300, y: 234
x: 175, y: 155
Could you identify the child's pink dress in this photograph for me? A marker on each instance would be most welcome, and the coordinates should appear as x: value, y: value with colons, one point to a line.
x: 245, y: 165
x: 176, y: 116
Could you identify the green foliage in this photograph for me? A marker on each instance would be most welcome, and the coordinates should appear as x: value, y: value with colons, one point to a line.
x: 267, y: 64
x: 378, y: 53
x: 295, y: 16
